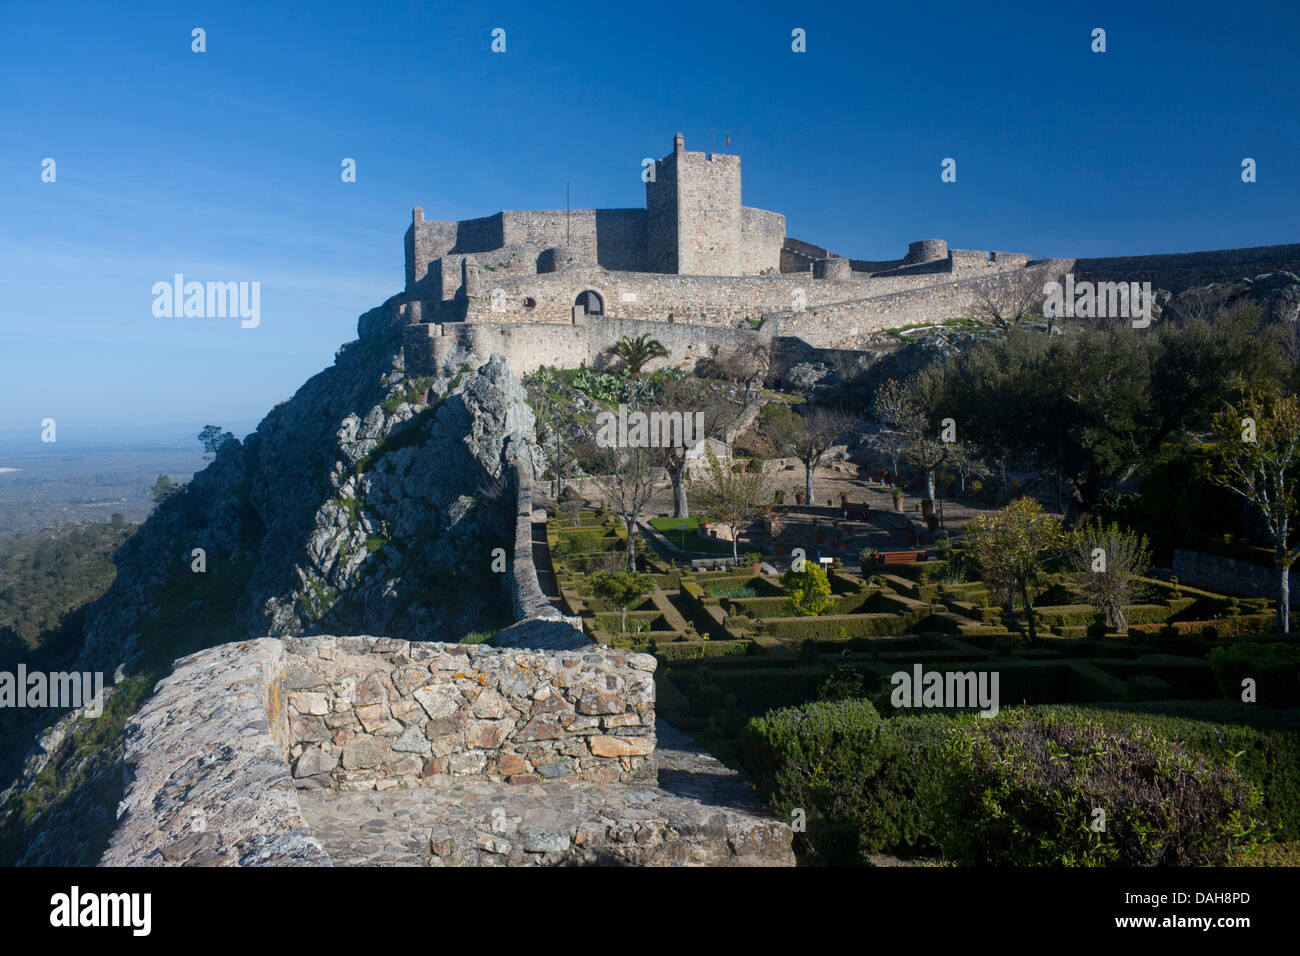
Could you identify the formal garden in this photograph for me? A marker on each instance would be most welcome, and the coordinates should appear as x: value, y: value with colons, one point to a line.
x: 1010, y: 517
x: 768, y: 669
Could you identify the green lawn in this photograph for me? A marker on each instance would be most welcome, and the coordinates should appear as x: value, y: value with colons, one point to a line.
x: 684, y: 532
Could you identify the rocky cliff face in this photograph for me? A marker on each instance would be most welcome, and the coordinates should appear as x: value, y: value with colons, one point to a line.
x: 369, y: 502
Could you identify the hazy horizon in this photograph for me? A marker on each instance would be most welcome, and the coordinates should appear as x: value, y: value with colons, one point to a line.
x: 225, y: 165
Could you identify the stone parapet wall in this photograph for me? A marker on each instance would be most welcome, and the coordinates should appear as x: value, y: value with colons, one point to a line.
x: 1180, y: 271
x: 429, y: 347
x: 369, y: 713
x: 698, y: 300
x: 208, y: 783
x: 846, y: 324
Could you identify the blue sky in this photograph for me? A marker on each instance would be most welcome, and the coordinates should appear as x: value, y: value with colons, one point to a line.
x: 225, y: 165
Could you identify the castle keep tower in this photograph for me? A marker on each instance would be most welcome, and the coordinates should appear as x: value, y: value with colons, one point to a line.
x: 693, y: 214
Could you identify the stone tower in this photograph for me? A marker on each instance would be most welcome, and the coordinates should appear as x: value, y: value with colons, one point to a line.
x: 693, y: 217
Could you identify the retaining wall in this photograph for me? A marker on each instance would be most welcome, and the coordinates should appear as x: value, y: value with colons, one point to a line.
x: 375, y: 713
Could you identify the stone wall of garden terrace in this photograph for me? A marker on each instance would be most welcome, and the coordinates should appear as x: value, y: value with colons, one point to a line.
x: 375, y: 713
x: 1226, y: 575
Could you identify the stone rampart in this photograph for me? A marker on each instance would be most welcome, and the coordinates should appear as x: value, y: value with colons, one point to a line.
x: 368, y: 713
x: 205, y: 758
x: 1180, y: 271
x: 846, y: 324
x: 430, y: 348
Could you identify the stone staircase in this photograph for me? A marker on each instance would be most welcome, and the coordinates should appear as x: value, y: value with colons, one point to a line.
x: 701, y: 814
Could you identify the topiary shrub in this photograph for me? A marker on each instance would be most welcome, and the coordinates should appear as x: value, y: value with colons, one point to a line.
x: 1022, y: 791
x: 857, y: 777
x: 1275, y: 669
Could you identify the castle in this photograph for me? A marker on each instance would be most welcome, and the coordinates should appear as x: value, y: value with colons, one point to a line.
x: 557, y: 287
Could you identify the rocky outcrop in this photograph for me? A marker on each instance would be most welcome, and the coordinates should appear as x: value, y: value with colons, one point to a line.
x: 209, y: 784
x: 370, y: 502
x: 1276, y: 293
x: 400, y: 756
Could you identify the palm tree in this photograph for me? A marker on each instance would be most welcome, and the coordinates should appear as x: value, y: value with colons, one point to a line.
x: 637, y: 352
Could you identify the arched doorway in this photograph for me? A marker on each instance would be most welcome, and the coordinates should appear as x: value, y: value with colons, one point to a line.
x: 591, y: 302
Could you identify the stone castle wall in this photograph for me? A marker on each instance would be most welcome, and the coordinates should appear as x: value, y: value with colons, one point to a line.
x: 370, y: 713
x: 844, y: 324
x: 762, y: 236
x: 708, y: 214
x: 429, y: 348
x: 1227, y: 575
x: 700, y: 300
x: 1180, y: 271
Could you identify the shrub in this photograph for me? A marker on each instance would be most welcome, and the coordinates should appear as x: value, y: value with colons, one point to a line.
x: 858, y: 777
x: 829, y: 627
x: 1023, y: 790
x: 809, y: 590
x: 1275, y: 668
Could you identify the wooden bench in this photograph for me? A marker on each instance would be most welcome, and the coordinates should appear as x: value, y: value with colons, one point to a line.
x: 901, y: 557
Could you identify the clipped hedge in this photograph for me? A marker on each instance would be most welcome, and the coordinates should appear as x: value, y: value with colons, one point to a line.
x: 700, y: 650
x: 1025, y: 791
x: 1275, y: 668
x: 860, y: 779
x: 1020, y: 788
x: 829, y: 626
x: 1226, y: 627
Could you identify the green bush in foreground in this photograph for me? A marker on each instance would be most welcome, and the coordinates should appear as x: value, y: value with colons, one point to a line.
x: 1016, y: 790
x: 1275, y: 668
x: 854, y: 774
x: 1026, y: 791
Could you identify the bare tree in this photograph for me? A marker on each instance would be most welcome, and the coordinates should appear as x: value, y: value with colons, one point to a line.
x: 689, y: 396
x: 733, y: 495
x: 894, y: 412
x: 808, y: 436
x: 1006, y: 299
x: 965, y: 458
x: 747, y: 363
x: 627, y: 479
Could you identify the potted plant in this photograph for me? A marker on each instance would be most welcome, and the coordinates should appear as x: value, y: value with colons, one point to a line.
x: 754, y: 559
x: 898, y: 500
x: 800, y: 497
x: 778, y: 497
x: 868, y: 558
x: 927, y: 507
